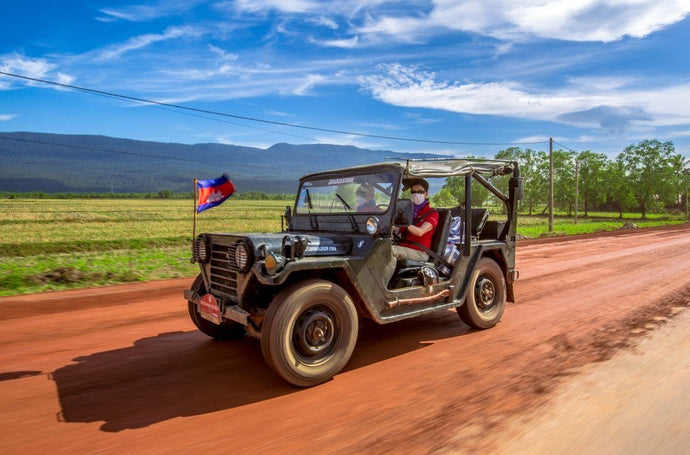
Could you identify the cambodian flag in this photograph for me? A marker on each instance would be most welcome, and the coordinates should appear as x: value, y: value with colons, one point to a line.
x: 213, y: 192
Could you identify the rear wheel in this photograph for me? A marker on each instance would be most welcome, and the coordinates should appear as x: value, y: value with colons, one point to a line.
x: 486, y: 298
x: 224, y: 331
x: 309, y: 332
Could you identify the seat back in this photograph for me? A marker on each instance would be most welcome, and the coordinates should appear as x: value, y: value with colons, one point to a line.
x: 440, y: 237
x: 479, y: 217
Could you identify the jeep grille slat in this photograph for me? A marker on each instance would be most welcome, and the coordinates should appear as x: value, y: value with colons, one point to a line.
x: 224, y: 270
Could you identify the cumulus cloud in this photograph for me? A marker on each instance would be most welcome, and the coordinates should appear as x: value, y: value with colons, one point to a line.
x: 6, y: 117
x: 614, y: 105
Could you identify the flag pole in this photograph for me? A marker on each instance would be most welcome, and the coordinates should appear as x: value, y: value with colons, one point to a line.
x: 196, y: 196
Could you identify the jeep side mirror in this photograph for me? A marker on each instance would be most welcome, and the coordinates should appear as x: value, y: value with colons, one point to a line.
x: 404, y: 212
x: 288, y: 216
x: 518, y: 186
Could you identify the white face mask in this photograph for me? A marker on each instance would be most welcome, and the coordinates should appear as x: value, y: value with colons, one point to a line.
x: 360, y: 200
x: 417, y: 198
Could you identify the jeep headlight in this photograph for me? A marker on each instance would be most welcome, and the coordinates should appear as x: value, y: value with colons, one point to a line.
x: 201, y: 249
x: 274, y: 263
x: 372, y: 225
x: 241, y: 256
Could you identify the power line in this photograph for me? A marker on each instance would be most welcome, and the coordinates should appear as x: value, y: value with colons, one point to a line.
x: 565, y: 147
x: 254, y: 119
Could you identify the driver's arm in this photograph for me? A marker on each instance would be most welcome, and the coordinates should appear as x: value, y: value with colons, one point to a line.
x: 420, y: 230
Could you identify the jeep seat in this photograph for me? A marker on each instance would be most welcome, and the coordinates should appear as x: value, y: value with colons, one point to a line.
x: 438, y: 244
x: 479, y: 219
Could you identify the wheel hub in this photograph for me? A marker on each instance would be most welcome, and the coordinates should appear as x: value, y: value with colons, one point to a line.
x: 314, y: 332
x: 485, y: 293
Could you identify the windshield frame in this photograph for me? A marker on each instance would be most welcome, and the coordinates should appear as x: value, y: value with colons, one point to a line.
x: 336, y: 194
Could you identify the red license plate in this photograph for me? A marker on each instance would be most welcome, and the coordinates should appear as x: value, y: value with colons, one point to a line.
x: 209, y: 310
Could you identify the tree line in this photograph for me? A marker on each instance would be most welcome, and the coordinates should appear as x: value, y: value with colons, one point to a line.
x: 649, y: 177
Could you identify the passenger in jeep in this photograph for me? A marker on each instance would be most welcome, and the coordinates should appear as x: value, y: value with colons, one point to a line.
x: 365, y: 198
x: 418, y: 233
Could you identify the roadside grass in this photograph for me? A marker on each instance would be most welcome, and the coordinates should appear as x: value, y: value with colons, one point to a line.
x: 534, y: 226
x: 54, y: 244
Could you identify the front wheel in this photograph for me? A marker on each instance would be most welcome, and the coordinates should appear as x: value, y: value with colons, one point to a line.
x: 224, y: 331
x: 486, y: 297
x: 309, y: 332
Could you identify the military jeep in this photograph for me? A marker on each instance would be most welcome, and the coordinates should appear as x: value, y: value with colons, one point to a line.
x: 302, y: 291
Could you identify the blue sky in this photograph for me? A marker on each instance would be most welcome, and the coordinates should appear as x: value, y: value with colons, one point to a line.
x: 593, y: 74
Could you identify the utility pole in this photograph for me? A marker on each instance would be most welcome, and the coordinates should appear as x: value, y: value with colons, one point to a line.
x: 550, y: 184
x: 577, y: 187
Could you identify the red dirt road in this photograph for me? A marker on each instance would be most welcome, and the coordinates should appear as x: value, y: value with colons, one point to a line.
x: 122, y: 370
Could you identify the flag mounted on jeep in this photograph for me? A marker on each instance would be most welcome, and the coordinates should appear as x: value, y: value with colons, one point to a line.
x: 211, y: 193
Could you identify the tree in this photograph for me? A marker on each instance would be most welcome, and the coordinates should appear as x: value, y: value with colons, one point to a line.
x: 532, y: 164
x: 592, y: 168
x: 618, y: 188
x: 455, y: 186
x: 444, y: 198
x: 564, y: 179
x: 650, y: 170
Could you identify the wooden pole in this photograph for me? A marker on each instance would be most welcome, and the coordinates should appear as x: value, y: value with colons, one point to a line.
x: 550, y: 184
x: 195, y: 193
x: 577, y: 187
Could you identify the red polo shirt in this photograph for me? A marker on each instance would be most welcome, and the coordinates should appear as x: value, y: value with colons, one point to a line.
x: 425, y: 215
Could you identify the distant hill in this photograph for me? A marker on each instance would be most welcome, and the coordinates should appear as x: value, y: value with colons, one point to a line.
x: 79, y: 163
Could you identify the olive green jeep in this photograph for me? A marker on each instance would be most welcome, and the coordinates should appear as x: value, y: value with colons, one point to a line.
x: 302, y: 291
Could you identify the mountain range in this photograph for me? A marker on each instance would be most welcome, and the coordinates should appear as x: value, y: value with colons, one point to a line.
x: 54, y: 163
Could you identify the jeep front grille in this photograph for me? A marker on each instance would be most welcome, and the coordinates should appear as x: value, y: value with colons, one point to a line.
x: 224, y: 270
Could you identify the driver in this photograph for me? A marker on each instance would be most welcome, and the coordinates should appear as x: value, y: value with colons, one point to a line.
x: 418, y: 233
x: 365, y: 198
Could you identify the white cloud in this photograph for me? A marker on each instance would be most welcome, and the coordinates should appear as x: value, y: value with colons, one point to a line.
x: 142, y: 41
x: 608, y: 103
x: 286, y: 6
x: 340, y: 43
x: 310, y: 81
x: 37, y: 68
x: 6, y: 117
x: 223, y: 55
x: 33, y: 67
x: 582, y: 20
x: 154, y: 10
x: 325, y: 22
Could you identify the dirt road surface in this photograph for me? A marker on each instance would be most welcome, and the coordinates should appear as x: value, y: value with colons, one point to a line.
x: 122, y: 370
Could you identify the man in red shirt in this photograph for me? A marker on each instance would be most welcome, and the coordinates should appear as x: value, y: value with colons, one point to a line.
x: 419, y: 232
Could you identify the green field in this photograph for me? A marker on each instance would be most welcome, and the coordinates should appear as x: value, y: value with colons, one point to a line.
x: 50, y: 244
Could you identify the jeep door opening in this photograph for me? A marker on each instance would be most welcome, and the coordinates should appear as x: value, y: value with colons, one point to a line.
x: 302, y: 291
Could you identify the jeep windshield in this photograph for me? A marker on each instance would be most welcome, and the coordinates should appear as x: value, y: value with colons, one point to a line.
x: 346, y: 194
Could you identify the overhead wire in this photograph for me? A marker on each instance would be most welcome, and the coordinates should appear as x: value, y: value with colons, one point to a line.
x: 256, y: 119
x: 565, y: 147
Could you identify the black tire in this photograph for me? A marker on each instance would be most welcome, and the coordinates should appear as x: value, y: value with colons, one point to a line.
x: 224, y: 331
x: 486, y: 297
x: 309, y: 332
